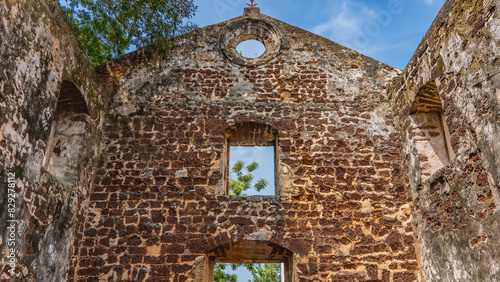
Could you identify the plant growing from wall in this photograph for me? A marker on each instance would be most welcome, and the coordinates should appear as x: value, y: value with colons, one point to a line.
x: 108, y: 28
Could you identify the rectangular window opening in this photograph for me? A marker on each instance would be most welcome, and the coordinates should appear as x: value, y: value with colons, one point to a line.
x: 272, y: 272
x: 252, y: 171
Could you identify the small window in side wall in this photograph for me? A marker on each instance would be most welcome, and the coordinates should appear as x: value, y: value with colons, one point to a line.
x: 66, y: 137
x: 251, y: 164
x: 430, y: 132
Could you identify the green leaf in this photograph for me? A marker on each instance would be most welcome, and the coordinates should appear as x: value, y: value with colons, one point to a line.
x: 261, y: 184
x: 261, y: 272
x: 265, y: 272
x: 221, y: 276
x: 253, y: 166
x: 238, y: 166
x: 246, y: 179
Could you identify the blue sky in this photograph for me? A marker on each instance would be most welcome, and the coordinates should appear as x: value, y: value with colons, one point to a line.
x: 386, y: 30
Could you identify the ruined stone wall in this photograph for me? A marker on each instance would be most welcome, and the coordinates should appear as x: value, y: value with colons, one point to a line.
x: 157, y: 212
x: 38, y: 52
x: 456, y: 208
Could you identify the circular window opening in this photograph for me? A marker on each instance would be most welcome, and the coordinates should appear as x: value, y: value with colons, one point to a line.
x: 251, y: 48
x: 250, y: 42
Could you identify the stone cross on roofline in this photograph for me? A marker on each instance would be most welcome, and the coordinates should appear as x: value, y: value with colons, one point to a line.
x: 252, y: 4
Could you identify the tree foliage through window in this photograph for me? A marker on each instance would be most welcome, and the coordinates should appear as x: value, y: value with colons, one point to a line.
x: 261, y: 272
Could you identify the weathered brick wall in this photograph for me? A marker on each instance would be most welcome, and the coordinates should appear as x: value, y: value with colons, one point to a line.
x: 37, y: 52
x: 156, y: 211
x: 348, y: 153
x: 456, y: 210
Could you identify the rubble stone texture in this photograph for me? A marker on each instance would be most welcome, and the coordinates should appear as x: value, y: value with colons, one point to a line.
x: 121, y: 172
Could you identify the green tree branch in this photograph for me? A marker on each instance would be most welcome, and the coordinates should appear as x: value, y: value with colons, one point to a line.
x: 107, y: 29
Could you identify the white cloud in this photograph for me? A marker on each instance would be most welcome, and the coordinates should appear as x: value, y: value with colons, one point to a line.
x: 347, y: 20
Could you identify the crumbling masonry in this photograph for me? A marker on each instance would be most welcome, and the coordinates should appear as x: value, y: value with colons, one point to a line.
x: 120, y: 173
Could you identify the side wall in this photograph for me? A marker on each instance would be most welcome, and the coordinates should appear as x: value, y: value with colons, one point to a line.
x: 37, y: 52
x: 456, y: 210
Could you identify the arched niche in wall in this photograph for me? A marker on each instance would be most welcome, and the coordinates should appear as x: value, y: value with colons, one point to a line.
x: 66, y: 137
x: 429, y: 130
